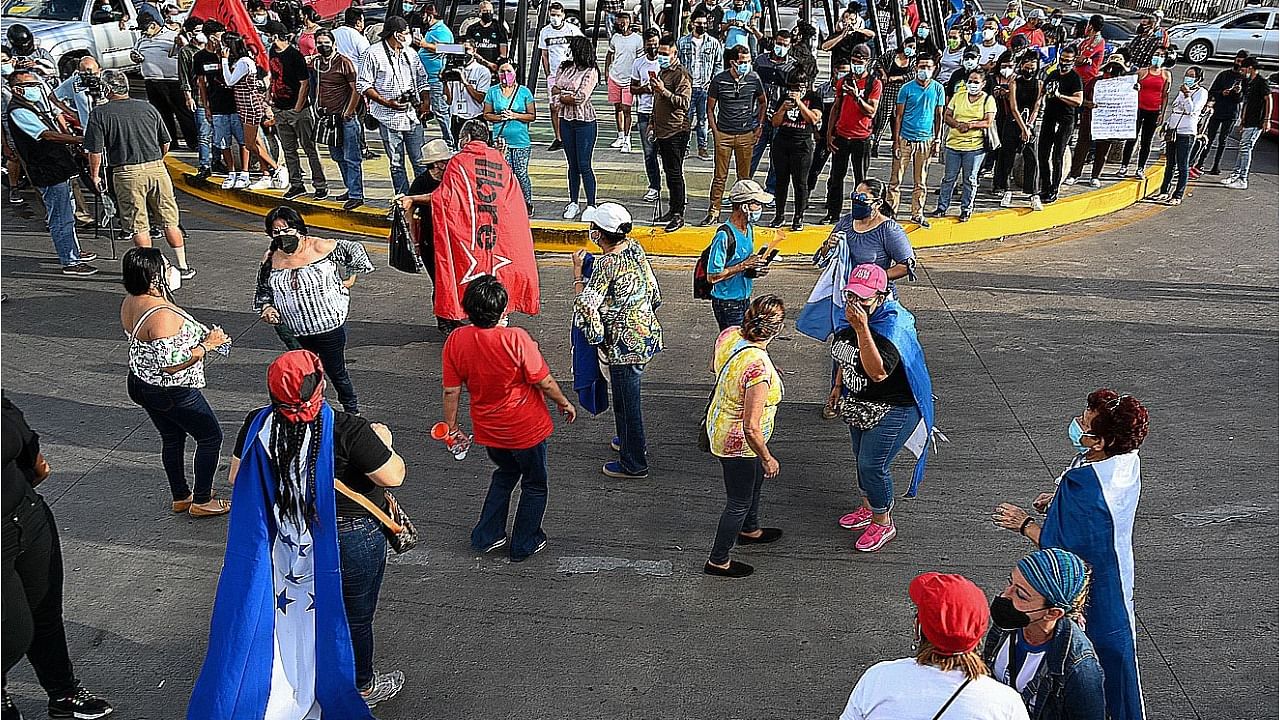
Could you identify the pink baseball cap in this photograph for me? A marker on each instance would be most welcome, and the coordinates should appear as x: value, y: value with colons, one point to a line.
x: 866, y: 280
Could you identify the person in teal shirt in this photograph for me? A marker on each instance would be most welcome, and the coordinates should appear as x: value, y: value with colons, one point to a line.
x: 510, y: 109
x: 732, y: 274
x: 917, y: 131
x: 434, y: 34
x: 742, y: 13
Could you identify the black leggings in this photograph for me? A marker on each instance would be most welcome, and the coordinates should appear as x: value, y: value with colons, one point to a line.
x: 1011, y: 148
x: 1055, y: 134
x: 32, y: 610
x: 791, y: 161
x: 743, y: 477
x: 1148, y: 121
x: 848, y: 152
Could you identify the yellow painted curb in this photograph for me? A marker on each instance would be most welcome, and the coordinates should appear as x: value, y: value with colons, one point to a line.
x: 551, y: 236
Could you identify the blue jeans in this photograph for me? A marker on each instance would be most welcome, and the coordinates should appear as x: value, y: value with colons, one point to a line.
x: 698, y: 115
x: 398, y: 144
x: 518, y: 159
x: 178, y: 412
x: 227, y: 128
x: 628, y: 417
x: 875, y: 449
x: 743, y: 478
x: 60, y: 216
x: 1177, y: 166
x: 765, y: 141
x: 729, y: 312
x: 204, y: 131
x: 362, y: 550
x: 440, y: 108
x: 962, y: 165
x: 650, y: 153
x: 1248, y: 138
x: 579, y: 139
x: 331, y: 347
x: 349, y: 158
x: 528, y: 469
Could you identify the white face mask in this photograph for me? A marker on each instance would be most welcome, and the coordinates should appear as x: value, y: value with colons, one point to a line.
x: 172, y: 278
x: 556, y: 21
x: 988, y: 34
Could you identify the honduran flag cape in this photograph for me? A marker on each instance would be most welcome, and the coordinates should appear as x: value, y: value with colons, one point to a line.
x: 279, y: 647
x: 823, y: 313
x: 1092, y: 516
x: 481, y: 227
x: 588, y: 379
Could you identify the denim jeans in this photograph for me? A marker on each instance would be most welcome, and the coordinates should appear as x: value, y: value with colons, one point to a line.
x: 60, y: 216
x: 528, y: 469
x: 204, y: 131
x: 331, y: 347
x: 961, y: 165
x: 579, y: 139
x: 628, y: 417
x: 729, y: 312
x: 1248, y: 138
x: 1177, y: 166
x: 399, y: 144
x: 178, y: 412
x: 362, y: 550
x: 743, y: 477
x: 440, y: 108
x: 875, y: 449
x: 349, y: 158
x: 698, y: 115
x: 518, y: 159
x: 650, y: 154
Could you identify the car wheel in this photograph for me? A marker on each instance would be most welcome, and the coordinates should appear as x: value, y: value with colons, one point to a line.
x: 1198, y: 51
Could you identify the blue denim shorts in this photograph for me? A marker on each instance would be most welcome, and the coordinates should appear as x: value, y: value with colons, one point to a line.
x: 225, y: 129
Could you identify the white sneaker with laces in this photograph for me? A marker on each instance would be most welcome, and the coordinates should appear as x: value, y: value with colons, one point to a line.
x: 1036, y: 203
x: 617, y: 142
x: 589, y: 208
x: 280, y: 180
x: 242, y: 181
x: 1095, y: 182
x: 1006, y: 200
x: 571, y: 211
x: 264, y: 183
x: 1231, y: 180
x: 626, y: 145
x: 230, y: 182
x: 1239, y: 184
x: 651, y: 195
x: 1070, y: 181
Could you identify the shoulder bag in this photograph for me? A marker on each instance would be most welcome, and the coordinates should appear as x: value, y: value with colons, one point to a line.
x: 704, y: 439
x: 953, y: 697
x: 396, y: 525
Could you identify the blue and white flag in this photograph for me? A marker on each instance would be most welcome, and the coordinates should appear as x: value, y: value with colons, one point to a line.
x: 1092, y: 516
x: 823, y: 313
x: 279, y: 646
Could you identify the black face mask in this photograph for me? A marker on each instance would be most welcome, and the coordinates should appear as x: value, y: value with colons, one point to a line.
x: 486, y: 16
x: 860, y: 210
x: 1006, y: 616
x: 288, y: 243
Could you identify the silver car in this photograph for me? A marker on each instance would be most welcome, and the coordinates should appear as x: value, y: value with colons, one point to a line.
x: 71, y: 29
x: 1250, y: 28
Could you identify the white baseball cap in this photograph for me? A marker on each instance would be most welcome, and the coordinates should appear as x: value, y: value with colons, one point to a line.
x: 608, y: 216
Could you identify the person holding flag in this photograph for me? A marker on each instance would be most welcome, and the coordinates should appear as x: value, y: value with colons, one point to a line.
x: 280, y: 647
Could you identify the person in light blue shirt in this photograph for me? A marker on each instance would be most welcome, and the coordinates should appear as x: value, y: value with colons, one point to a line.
x: 917, y: 135
x: 740, y: 19
x: 732, y: 270
x: 509, y: 108
x: 434, y: 34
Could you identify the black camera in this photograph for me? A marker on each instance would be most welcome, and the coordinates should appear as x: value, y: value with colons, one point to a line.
x: 451, y: 75
x: 406, y: 98
x: 91, y: 83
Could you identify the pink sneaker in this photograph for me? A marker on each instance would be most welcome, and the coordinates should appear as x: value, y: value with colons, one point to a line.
x: 876, y: 537
x: 859, y: 518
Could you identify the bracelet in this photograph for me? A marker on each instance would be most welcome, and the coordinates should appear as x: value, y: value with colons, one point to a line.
x: 1023, y: 530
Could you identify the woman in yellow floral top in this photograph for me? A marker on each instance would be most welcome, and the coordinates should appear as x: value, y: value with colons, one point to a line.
x: 739, y: 424
x: 615, y: 309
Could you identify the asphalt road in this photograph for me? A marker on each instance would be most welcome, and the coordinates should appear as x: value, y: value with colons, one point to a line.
x: 615, y: 619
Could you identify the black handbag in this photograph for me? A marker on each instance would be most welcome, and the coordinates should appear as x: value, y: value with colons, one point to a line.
x: 402, y: 251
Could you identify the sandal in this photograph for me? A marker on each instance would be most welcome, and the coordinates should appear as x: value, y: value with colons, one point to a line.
x: 181, y: 506
x: 220, y: 507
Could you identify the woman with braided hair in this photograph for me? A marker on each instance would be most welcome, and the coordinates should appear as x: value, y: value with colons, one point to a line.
x: 1036, y: 644
x: 292, y: 630
x: 1091, y: 513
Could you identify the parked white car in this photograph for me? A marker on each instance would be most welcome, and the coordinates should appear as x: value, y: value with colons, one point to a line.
x: 1251, y: 28
x: 71, y: 29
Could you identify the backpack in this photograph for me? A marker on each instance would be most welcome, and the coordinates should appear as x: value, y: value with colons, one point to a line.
x: 701, y: 283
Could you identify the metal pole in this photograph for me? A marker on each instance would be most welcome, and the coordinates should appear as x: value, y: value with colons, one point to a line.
x: 519, y: 34
x: 453, y: 14
x: 771, y: 14
x: 595, y: 36
x: 895, y: 12
x: 806, y: 12
x: 674, y: 23
x: 646, y: 14
x: 535, y: 62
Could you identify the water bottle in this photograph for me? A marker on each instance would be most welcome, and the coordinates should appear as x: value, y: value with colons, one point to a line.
x: 457, y: 442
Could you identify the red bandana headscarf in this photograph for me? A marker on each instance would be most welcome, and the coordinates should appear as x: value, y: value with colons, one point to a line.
x: 296, y: 384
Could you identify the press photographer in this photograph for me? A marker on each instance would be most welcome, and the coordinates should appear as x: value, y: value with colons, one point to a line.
x: 392, y: 78
x: 465, y: 87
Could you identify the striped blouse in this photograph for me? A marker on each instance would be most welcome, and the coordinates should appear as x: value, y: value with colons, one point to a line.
x: 579, y: 82
x: 312, y: 299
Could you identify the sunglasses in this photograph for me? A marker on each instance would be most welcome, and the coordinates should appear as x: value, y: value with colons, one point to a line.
x: 283, y: 232
x: 860, y: 197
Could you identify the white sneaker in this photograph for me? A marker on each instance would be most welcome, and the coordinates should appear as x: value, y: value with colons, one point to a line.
x: 1124, y: 171
x: 1070, y: 181
x: 571, y: 211
x: 1036, y: 204
x: 590, y: 208
x: 1239, y: 184
x: 651, y: 195
x: 242, y: 181
x: 617, y: 142
x: 264, y: 183
x: 626, y: 145
x: 280, y: 180
x: 230, y: 182
x: 1095, y: 182
x: 1231, y: 180
x: 1006, y: 200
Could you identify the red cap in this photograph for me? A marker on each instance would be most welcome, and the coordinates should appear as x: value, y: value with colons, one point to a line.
x: 866, y: 280
x: 953, y: 612
x: 296, y: 384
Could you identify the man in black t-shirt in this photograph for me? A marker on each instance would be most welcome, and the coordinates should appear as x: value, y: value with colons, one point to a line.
x: 220, y: 103
x: 1257, y: 112
x: 714, y: 15
x: 1063, y: 96
x: 490, y: 37
x: 291, y: 94
x: 1224, y: 97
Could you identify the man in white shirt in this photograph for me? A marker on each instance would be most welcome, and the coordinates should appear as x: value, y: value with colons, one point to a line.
x: 553, y: 42
x: 990, y: 50
x: 154, y: 51
x: 465, y: 88
x: 642, y: 69
x: 624, y: 47
x: 393, y: 81
x: 348, y: 39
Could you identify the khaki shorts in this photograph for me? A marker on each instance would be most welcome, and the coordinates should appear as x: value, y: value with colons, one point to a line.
x: 144, y: 194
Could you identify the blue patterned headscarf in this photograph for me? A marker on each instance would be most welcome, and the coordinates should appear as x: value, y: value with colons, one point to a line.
x: 1058, y: 575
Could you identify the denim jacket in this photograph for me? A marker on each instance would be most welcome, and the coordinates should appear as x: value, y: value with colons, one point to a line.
x: 1068, y: 683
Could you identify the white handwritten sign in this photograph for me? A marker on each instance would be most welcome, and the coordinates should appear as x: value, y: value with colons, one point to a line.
x: 1115, y: 112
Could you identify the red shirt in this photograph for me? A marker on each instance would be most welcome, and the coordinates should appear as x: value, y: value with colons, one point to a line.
x: 1093, y: 53
x: 1035, y: 36
x: 853, y: 123
x: 500, y: 367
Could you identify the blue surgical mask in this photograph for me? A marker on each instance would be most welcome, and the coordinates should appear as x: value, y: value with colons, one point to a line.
x: 743, y: 69
x: 973, y: 87
x: 909, y: 51
x: 922, y: 32
x: 7, y: 69
x: 859, y: 69
x: 781, y: 50
x: 664, y: 61
x: 33, y: 94
x: 922, y: 75
x: 1157, y: 61
x: 1075, y: 432
x: 1189, y: 81
x: 754, y: 215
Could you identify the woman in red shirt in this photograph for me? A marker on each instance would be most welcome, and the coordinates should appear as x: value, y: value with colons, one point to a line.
x: 1153, y: 95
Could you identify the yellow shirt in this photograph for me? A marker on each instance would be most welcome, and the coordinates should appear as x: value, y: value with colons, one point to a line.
x: 751, y: 366
x: 965, y: 111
